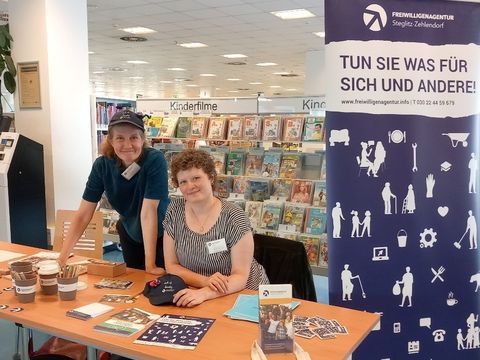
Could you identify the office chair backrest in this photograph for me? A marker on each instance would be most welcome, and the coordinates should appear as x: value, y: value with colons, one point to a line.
x: 285, y: 262
x: 90, y: 243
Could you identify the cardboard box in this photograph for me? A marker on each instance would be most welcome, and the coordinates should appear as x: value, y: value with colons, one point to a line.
x: 106, y: 269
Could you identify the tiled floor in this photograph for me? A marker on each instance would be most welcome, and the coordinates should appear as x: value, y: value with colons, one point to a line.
x: 8, y: 330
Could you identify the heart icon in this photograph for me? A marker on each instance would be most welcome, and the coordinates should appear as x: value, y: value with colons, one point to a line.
x: 443, y: 211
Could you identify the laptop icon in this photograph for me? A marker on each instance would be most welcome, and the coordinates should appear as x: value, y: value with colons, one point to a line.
x: 380, y: 253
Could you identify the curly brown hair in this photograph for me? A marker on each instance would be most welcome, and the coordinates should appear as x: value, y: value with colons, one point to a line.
x: 193, y: 158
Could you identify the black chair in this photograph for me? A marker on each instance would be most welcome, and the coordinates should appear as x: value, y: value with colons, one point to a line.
x: 285, y: 262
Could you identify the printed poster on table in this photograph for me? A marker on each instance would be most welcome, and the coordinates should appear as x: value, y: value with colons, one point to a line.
x: 403, y: 86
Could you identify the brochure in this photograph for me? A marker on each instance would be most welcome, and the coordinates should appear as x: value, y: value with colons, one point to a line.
x: 176, y: 331
x: 89, y: 311
x: 126, y: 322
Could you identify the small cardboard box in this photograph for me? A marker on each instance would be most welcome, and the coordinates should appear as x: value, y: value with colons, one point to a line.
x: 106, y: 269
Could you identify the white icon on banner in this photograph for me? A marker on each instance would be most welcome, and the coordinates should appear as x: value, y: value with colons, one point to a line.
x: 374, y: 17
x: 339, y: 136
x: 471, y: 229
x: 347, y: 284
x: 364, y: 160
x: 473, y: 168
x: 407, y: 290
x: 380, y: 253
x: 425, y: 322
x: 387, y: 197
x: 397, y: 328
x: 414, y: 148
x: 445, y: 166
x: 438, y: 335
x: 413, y: 347
x: 442, y: 211
x: 451, y: 301
x: 430, y: 182
x: 428, y: 237
x: 402, y: 238
x: 356, y: 223
x: 408, y: 206
x: 337, y: 217
x: 472, y: 339
x: 437, y: 274
x: 456, y: 138
x: 397, y: 136
x: 476, y: 278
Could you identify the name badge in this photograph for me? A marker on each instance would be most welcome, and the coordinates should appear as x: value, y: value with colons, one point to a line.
x: 131, y: 171
x: 216, y: 246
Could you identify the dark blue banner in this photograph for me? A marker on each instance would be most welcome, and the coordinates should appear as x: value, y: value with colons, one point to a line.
x: 403, y: 180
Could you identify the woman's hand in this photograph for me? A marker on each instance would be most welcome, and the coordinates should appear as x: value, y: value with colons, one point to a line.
x: 218, y: 282
x: 155, y: 270
x: 190, y: 297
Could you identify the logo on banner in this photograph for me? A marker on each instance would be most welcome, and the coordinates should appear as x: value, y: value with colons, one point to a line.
x: 375, y: 17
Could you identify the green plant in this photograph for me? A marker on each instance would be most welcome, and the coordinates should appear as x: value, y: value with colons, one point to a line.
x: 7, y: 66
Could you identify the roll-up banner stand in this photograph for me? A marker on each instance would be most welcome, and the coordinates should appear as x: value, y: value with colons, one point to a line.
x: 402, y: 98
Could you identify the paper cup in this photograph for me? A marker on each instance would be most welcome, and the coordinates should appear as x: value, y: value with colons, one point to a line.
x: 67, y: 288
x: 48, y: 272
x: 25, y: 290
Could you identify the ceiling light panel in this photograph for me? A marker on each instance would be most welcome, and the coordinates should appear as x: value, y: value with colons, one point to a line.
x: 320, y: 34
x: 207, y: 75
x: 138, y: 30
x: 138, y: 62
x: 192, y: 45
x: 176, y: 69
x: 293, y: 14
x: 266, y: 64
x: 234, y: 56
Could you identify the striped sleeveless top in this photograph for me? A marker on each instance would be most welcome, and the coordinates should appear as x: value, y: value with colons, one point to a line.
x: 191, y: 247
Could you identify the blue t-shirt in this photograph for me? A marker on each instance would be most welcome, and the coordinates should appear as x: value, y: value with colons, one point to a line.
x: 126, y: 196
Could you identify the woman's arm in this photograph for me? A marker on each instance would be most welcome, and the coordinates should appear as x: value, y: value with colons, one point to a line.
x: 79, y: 223
x: 241, y: 257
x: 149, y: 223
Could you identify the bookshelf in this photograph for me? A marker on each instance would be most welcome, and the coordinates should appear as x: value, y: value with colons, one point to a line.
x: 277, y: 178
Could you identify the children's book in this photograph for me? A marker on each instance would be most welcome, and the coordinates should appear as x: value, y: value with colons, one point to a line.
x: 176, y: 331
x: 323, y: 258
x: 286, y: 235
x: 235, y: 128
x: 222, y: 186
x: 126, y: 322
x: 271, y: 215
x: 219, y: 161
x: 275, y: 318
x: 292, y: 128
x: 253, y: 164
x: 290, y: 165
x: 281, y: 189
x: 271, y: 164
x: 293, y: 215
x: 320, y: 194
x: 253, y: 209
x: 312, y: 247
x: 235, y: 163
x: 314, y: 129
x: 216, y: 128
x: 239, y: 184
x: 167, y: 129
x: 184, y: 127
x: 252, y: 127
x: 199, y: 127
x: 257, y: 190
x: 301, y: 191
x: 315, y: 221
x: 272, y: 128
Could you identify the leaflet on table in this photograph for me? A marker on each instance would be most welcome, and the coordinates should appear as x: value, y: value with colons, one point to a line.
x: 176, y: 331
x: 126, y: 322
x: 275, y: 318
x: 246, y: 308
x: 89, y: 311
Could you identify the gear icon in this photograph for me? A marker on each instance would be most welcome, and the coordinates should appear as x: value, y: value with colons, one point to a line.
x: 427, y: 238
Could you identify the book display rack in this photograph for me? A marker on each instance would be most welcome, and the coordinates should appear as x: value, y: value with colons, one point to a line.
x: 271, y: 166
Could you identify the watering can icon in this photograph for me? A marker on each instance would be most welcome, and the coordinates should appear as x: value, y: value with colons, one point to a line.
x: 402, y: 238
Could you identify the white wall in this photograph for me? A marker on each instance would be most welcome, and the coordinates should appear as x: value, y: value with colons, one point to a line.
x: 54, y: 33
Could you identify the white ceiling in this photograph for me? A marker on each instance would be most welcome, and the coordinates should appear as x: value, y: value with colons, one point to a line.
x: 226, y: 26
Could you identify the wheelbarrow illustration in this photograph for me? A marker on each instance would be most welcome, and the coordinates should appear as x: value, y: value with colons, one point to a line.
x: 458, y: 137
